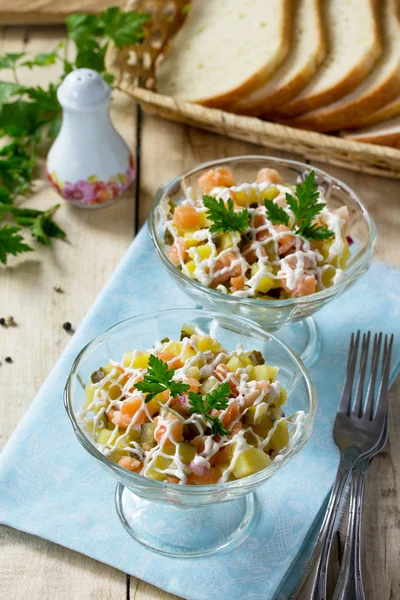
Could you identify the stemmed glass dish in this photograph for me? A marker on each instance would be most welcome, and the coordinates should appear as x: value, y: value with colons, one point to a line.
x: 300, y: 331
x: 188, y: 520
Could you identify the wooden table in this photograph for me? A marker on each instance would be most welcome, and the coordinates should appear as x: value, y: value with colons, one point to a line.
x: 39, y: 570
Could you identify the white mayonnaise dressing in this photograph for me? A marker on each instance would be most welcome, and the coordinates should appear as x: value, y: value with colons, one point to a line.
x: 217, y: 269
x: 120, y: 382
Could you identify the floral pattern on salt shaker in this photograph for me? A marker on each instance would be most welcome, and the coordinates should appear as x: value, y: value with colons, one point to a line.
x: 89, y: 164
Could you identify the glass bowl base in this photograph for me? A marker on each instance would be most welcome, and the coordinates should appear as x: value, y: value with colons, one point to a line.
x: 303, y: 337
x: 185, y: 531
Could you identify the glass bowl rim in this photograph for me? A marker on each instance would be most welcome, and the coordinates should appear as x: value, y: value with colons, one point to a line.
x: 360, y: 265
x: 192, y: 490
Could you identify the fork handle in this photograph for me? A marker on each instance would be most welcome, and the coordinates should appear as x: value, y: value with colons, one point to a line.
x: 312, y: 585
x: 349, y: 584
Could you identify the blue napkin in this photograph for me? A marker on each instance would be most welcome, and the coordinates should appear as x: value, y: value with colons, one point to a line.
x: 51, y: 487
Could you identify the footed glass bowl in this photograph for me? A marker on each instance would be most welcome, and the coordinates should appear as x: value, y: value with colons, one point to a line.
x: 302, y: 334
x: 187, y: 520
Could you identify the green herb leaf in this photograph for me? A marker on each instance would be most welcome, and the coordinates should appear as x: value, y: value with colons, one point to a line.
x: 225, y: 218
x: 159, y: 379
x: 11, y: 243
x: 9, y: 89
x: 43, y: 228
x: 276, y: 214
x: 5, y: 197
x: 218, y: 400
x: 16, y: 168
x: 124, y: 28
x: 306, y: 206
x: 41, y: 60
x: 314, y: 232
x: 9, y: 60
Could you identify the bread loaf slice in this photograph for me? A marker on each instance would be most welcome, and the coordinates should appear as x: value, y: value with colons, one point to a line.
x: 225, y: 48
x: 384, y: 134
x: 307, y: 53
x: 381, y: 85
x: 388, y: 111
x: 354, y: 46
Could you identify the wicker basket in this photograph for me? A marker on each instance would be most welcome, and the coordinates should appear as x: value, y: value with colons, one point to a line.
x: 134, y: 69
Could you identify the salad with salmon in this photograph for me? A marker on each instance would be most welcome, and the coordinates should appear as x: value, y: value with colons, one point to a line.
x: 189, y: 411
x: 264, y: 239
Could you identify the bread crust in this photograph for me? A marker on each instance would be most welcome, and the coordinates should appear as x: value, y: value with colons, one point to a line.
x: 332, y: 117
x: 223, y: 101
x: 391, y: 139
x: 352, y: 79
x: 388, y: 111
x: 283, y: 94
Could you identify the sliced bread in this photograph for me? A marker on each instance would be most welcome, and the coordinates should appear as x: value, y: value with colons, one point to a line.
x: 225, y: 48
x: 388, y: 111
x: 354, y: 46
x: 307, y: 53
x: 384, y: 134
x: 381, y: 85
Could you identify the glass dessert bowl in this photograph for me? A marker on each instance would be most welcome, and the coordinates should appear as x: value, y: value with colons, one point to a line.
x: 290, y: 315
x: 186, y: 520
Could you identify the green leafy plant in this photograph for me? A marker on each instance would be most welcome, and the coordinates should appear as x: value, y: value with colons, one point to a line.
x: 218, y: 400
x: 305, y: 207
x: 31, y: 116
x: 225, y: 218
x: 160, y: 379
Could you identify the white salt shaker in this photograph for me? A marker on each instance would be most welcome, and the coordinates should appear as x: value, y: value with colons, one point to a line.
x: 89, y: 164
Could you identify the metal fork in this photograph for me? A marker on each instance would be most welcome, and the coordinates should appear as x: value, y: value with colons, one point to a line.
x: 349, y: 585
x: 356, y: 431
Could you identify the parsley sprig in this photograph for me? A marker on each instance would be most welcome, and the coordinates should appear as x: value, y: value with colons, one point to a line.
x: 305, y: 207
x: 31, y: 116
x: 225, y: 218
x: 159, y: 379
x: 218, y: 400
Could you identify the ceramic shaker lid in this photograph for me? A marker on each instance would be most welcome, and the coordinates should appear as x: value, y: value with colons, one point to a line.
x: 83, y: 89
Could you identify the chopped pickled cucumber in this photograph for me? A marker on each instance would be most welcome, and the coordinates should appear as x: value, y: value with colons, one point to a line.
x: 97, y: 376
x: 256, y: 414
x: 187, y: 330
x: 147, y: 434
x: 103, y: 436
x: 159, y: 462
x: 249, y: 462
x: 281, y: 398
x: 187, y: 452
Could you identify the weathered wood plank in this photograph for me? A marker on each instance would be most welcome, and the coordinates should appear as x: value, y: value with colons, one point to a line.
x: 31, y: 567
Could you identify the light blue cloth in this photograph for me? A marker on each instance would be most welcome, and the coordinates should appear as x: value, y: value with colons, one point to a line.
x: 51, y: 487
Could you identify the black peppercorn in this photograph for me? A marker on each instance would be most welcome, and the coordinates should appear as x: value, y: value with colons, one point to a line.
x: 67, y: 326
x: 2, y: 321
x: 8, y: 359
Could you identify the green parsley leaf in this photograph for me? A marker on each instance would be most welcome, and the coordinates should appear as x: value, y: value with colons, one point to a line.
x: 11, y: 242
x: 9, y: 89
x: 124, y: 28
x: 159, y: 379
x: 9, y: 60
x: 38, y: 221
x: 5, y: 197
x: 218, y: 400
x: 41, y: 60
x: 306, y: 206
x: 276, y: 214
x: 16, y: 168
x: 314, y: 232
x: 225, y: 218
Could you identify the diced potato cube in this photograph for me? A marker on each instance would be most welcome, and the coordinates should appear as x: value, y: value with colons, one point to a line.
x: 187, y: 330
x: 190, y: 240
x: 264, y: 373
x: 187, y: 353
x: 281, y: 398
x: 193, y: 372
x: 208, y: 384
x: 174, y: 347
x: 249, y: 462
x: 203, y: 221
x: 265, y: 284
x: 103, y: 436
x: 280, y: 437
x: 187, y: 452
x: 226, y: 241
x: 203, y: 251
x: 328, y: 275
x: 89, y: 392
x: 206, y: 343
x: 234, y: 363
x: 270, y: 193
x: 189, y: 268
x: 160, y: 462
x: 256, y: 414
x: 142, y: 361
x: 128, y: 359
